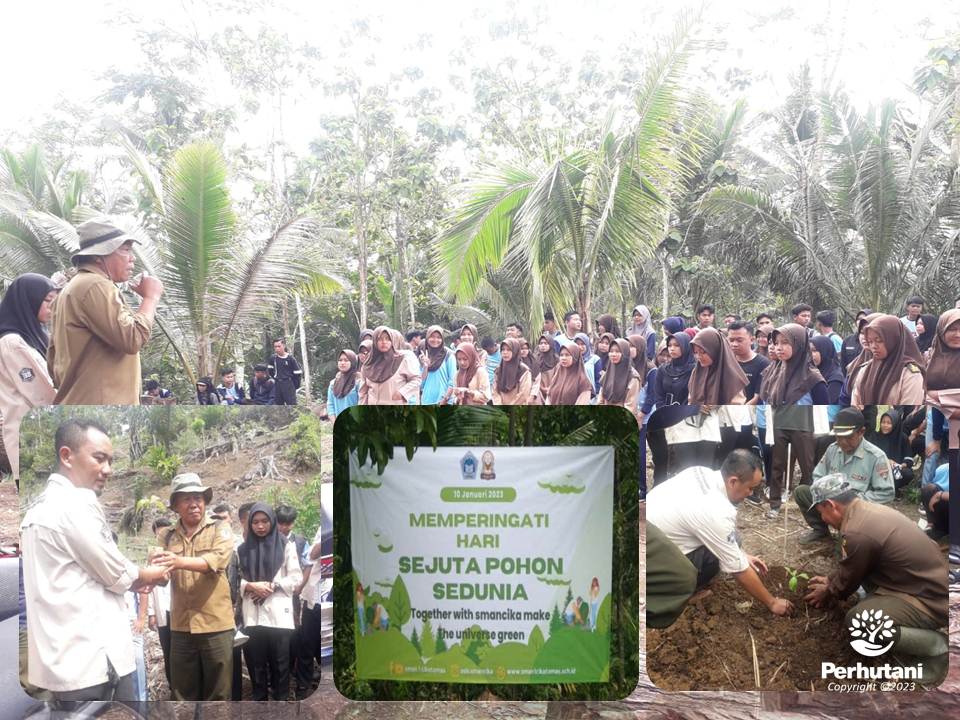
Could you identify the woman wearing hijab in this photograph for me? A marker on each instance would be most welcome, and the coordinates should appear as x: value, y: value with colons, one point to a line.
x: 569, y: 385
x: 603, y: 348
x: 673, y: 378
x: 588, y: 360
x: 607, y: 324
x: 24, y: 380
x: 643, y: 326
x: 207, y: 394
x: 943, y: 370
x: 717, y: 378
x: 468, y: 333
x: 672, y: 325
x: 620, y: 384
x: 511, y: 382
x: 892, y: 440
x: 853, y: 368
x: 926, y: 333
x: 792, y: 379
x: 824, y: 355
x: 391, y: 374
x: 546, y: 360
x: 894, y: 373
x: 439, y: 367
x: 342, y: 392
x: 471, y: 384
x: 638, y: 355
x: 269, y: 576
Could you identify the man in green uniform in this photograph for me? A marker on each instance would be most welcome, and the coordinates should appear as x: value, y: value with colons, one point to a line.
x: 863, y: 464
x: 901, y: 569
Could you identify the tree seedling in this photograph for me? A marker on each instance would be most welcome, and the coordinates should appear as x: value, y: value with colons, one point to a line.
x: 795, y: 577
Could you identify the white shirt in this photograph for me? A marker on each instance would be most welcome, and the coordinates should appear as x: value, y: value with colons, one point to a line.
x: 310, y: 594
x: 692, y: 509
x: 158, y: 604
x: 277, y: 610
x: 74, y: 577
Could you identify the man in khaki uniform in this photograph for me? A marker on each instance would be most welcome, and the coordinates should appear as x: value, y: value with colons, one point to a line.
x: 902, y: 570
x: 94, y: 352
x: 198, y: 550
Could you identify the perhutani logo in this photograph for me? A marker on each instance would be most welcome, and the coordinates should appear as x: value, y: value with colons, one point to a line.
x: 872, y: 633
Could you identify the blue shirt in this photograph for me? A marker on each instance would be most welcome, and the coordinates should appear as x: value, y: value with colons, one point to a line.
x: 438, y: 381
x: 336, y: 405
x: 493, y: 362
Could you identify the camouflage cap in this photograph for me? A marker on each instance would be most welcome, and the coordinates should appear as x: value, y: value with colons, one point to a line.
x: 827, y: 488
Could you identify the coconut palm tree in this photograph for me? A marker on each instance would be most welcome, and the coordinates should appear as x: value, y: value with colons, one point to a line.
x: 848, y: 210
x: 580, y: 216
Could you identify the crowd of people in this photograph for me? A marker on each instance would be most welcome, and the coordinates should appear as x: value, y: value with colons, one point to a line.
x: 218, y: 600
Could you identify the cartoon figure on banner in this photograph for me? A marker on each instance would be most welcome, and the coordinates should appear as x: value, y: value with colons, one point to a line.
x: 361, y: 610
x: 488, y: 473
x: 594, y: 602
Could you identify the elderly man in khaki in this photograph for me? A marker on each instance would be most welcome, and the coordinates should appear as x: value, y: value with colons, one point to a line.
x: 197, y: 550
x: 79, y: 642
x: 94, y: 353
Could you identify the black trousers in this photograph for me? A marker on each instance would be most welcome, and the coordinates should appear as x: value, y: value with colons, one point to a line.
x: 702, y: 453
x: 803, y: 450
x: 657, y: 440
x: 309, y: 648
x: 163, y: 632
x: 285, y: 393
x: 706, y: 563
x: 268, y: 652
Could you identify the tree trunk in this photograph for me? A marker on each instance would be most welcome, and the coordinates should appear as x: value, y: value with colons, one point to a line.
x: 303, y: 347
x: 665, y: 280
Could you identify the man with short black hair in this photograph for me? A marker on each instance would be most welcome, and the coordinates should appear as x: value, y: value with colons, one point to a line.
x: 705, y: 315
x: 515, y: 330
x: 262, y: 387
x: 158, y: 395
x: 413, y: 338
x: 825, y: 321
x: 79, y: 643
x: 740, y: 336
x: 728, y: 320
x: 228, y: 390
x: 903, y: 572
x: 549, y: 325
x: 696, y: 511
x: 802, y: 315
x: 572, y: 325
x: 285, y: 370
x: 914, y: 307
x: 764, y: 320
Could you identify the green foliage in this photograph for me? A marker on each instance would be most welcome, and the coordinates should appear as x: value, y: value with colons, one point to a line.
x: 306, y: 501
x: 795, y: 576
x: 441, y: 641
x: 305, y: 445
x: 198, y: 425
x: 556, y: 622
x: 536, y: 639
x: 212, y: 416
x: 400, y: 603
x: 428, y: 644
x: 164, y: 464
x: 415, y: 641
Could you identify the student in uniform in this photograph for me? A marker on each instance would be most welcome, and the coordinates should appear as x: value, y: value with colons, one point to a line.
x: 285, y: 369
x: 512, y: 383
x: 439, y: 367
x: 269, y: 575
x: 608, y: 324
x: 342, y: 392
x: 717, y: 378
x: 620, y: 384
x: 262, y: 387
x: 673, y: 378
x: 824, y: 355
x: 588, y: 360
x: 792, y: 378
x: 569, y: 385
x: 24, y: 380
x: 206, y: 393
x: 894, y: 373
x: 943, y: 371
x: 471, y: 384
x: 468, y: 333
x: 390, y: 375
x: 643, y: 326
x: 546, y: 359
x: 527, y: 358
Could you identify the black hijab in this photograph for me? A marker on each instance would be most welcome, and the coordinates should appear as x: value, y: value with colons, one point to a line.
x: 682, y: 365
x: 894, y: 444
x: 829, y: 365
x: 261, y: 558
x: 929, y: 334
x: 19, y: 308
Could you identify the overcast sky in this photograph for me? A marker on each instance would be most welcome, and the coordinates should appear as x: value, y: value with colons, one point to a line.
x: 55, y: 50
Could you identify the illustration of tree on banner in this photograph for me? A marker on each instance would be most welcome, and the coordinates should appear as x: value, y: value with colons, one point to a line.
x: 400, y: 603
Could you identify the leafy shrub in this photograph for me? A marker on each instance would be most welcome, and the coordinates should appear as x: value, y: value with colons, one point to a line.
x: 305, y: 444
x: 164, y: 464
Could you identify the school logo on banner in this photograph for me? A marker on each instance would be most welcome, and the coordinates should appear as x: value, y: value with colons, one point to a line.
x: 488, y: 473
x: 468, y: 466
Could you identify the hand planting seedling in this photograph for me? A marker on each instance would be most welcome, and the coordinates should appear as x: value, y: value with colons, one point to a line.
x: 795, y: 577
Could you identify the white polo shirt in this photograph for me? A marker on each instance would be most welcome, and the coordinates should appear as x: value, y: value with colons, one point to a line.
x: 692, y: 509
x: 74, y: 577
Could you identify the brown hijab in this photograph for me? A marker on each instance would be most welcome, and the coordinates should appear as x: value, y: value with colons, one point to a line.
x: 786, y: 381
x: 765, y: 331
x: 640, y: 361
x: 721, y: 381
x: 531, y: 361
x: 507, y: 375
x: 616, y: 378
x: 547, y: 360
x: 854, y: 367
x: 344, y: 382
x: 943, y: 372
x: 476, y: 336
x: 435, y: 355
x: 569, y: 382
x: 464, y: 376
x: 379, y: 366
x: 881, y: 376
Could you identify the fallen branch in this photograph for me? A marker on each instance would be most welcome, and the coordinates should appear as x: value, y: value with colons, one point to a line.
x: 756, y: 663
x: 776, y: 672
